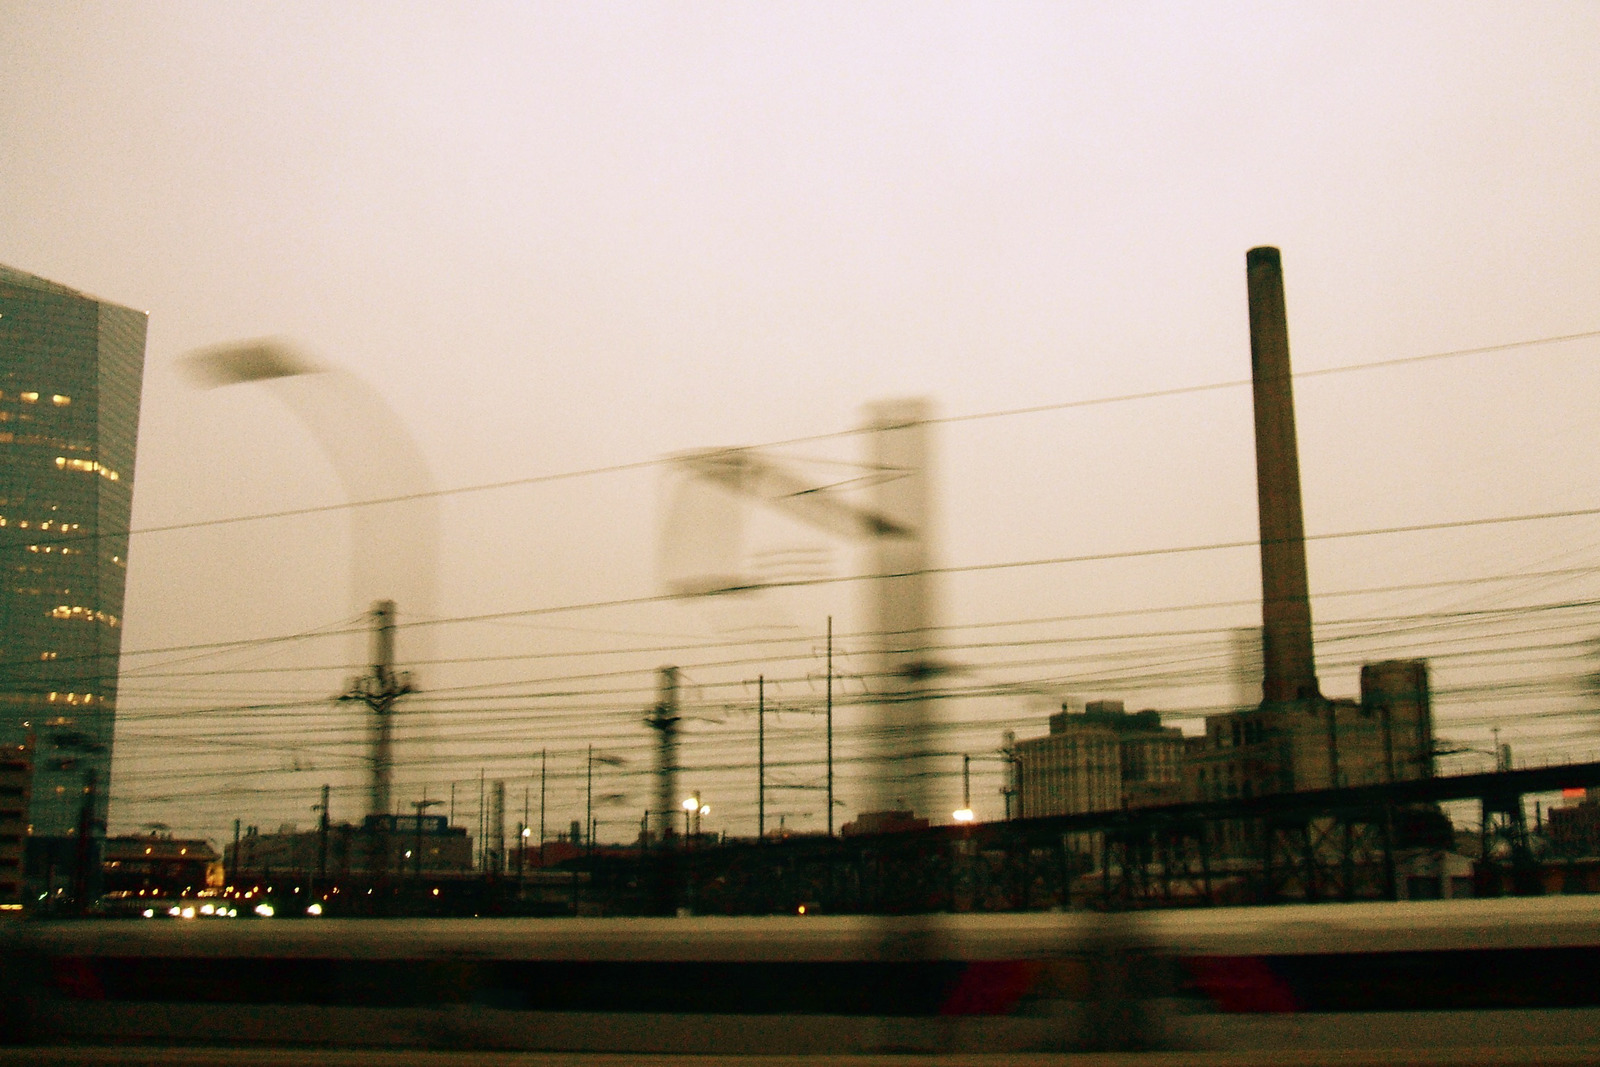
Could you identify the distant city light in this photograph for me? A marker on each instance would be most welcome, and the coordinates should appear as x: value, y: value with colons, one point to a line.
x: 963, y: 815
x: 264, y: 910
x: 315, y: 909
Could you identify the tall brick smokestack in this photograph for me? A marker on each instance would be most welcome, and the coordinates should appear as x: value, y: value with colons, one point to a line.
x: 1289, y: 670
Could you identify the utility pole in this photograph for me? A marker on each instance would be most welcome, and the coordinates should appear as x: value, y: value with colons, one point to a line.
x: 379, y: 691
x: 233, y: 872
x: 1011, y: 790
x: 663, y: 719
x: 1333, y: 744
x: 761, y: 757
x: 588, y: 805
x: 830, y: 726
x: 322, y: 840
x: 542, y: 754
x: 497, y: 827
x: 1388, y: 743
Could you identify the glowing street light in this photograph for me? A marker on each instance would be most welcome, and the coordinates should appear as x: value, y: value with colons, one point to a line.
x: 693, y: 809
x: 964, y: 813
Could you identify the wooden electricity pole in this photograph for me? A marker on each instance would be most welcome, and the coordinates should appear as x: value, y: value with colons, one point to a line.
x: 830, y: 726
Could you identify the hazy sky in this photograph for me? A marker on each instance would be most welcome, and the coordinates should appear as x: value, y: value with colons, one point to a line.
x: 562, y: 237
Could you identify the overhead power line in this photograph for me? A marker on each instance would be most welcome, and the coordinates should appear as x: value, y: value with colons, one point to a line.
x: 1182, y: 390
x: 343, y: 629
x: 645, y: 464
x: 979, y: 568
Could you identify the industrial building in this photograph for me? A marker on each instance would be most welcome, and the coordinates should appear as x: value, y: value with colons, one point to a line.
x: 1104, y: 758
x: 71, y: 368
x: 1386, y: 736
x: 1100, y: 759
x: 1287, y: 737
x: 1296, y: 739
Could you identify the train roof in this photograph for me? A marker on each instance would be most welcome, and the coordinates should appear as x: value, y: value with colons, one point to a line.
x: 1287, y: 930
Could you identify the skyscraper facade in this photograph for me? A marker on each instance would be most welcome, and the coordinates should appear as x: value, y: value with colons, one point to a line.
x: 70, y: 373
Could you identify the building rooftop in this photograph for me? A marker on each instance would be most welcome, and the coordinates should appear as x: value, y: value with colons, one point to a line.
x: 1107, y: 713
x: 138, y: 846
x: 23, y: 280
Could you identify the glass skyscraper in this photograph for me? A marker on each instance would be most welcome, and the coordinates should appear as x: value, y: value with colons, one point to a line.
x: 70, y: 374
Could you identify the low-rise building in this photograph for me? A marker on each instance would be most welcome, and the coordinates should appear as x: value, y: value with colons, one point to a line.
x: 1573, y: 829
x: 158, y: 865
x: 883, y: 822
x: 381, y: 843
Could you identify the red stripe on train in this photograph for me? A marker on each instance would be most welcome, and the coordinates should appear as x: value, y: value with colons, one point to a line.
x: 991, y: 987
x: 1243, y: 984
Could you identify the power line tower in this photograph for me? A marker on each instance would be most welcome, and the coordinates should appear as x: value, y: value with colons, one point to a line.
x: 380, y: 690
